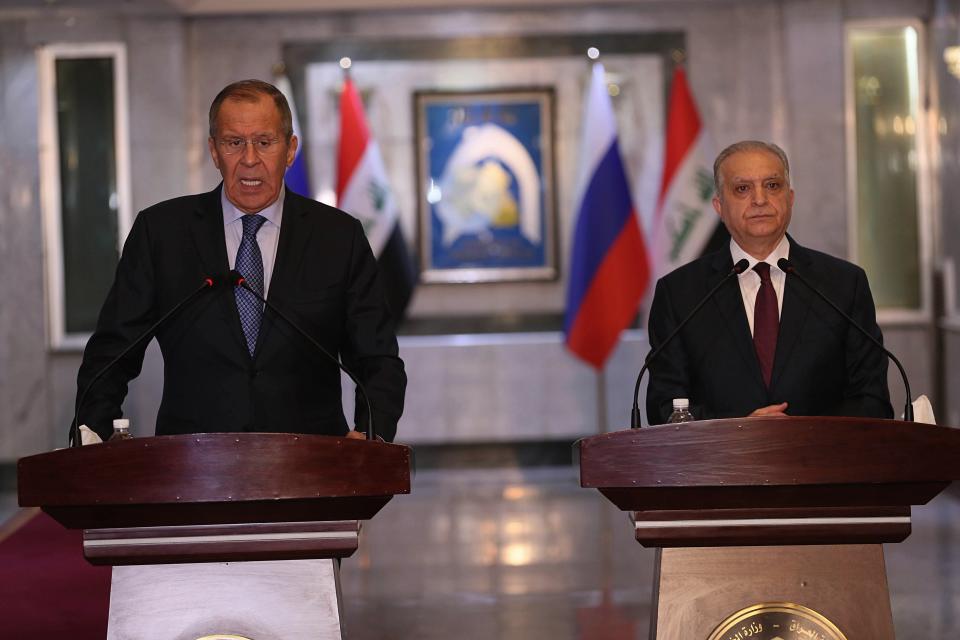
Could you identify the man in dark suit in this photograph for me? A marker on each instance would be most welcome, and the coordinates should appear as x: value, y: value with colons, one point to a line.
x: 228, y: 364
x: 765, y: 344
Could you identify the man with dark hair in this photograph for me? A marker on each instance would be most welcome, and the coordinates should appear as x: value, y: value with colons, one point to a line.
x: 229, y: 365
x: 764, y: 345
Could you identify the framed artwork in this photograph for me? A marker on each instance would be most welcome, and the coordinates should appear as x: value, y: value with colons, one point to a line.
x: 485, y: 170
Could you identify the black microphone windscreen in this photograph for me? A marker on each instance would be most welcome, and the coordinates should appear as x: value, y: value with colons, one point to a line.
x: 741, y: 266
x: 215, y: 281
x: 785, y: 265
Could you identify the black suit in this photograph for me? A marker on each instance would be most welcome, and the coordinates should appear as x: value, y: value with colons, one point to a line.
x: 325, y: 278
x: 822, y: 365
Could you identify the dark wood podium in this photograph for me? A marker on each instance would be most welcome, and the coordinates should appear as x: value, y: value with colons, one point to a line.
x: 219, y: 533
x: 771, y: 526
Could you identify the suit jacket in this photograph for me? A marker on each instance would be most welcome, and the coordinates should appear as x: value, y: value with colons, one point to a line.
x: 822, y: 366
x: 325, y: 278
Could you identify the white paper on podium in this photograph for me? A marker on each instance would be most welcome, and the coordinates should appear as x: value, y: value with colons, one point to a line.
x: 923, y: 410
x: 88, y: 436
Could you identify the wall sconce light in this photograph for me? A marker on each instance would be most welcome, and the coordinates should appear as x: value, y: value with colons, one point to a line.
x: 951, y: 55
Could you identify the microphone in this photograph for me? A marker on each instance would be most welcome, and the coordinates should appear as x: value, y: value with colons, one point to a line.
x: 208, y: 283
x: 737, y: 269
x: 236, y: 279
x: 787, y: 267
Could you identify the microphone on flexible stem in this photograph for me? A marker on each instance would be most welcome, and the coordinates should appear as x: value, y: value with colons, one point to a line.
x: 208, y: 283
x: 787, y: 267
x: 237, y: 280
x: 737, y: 269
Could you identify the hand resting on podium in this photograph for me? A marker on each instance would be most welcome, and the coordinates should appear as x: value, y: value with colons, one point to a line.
x: 771, y: 410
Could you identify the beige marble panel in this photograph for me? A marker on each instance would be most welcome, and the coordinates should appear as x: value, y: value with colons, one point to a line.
x: 281, y: 600
x: 484, y: 388
x: 23, y: 376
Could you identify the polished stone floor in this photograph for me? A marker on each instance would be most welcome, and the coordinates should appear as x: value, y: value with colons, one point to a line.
x: 511, y: 554
x: 508, y: 554
x: 527, y: 554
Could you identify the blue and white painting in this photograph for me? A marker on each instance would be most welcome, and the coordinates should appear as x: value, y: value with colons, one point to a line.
x: 486, y: 164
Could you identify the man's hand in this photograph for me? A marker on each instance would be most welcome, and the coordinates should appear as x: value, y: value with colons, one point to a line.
x: 772, y: 410
x: 356, y: 435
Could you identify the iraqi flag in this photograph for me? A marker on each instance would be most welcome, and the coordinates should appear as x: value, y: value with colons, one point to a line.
x: 297, y: 177
x: 685, y: 219
x: 364, y: 192
x: 609, y: 270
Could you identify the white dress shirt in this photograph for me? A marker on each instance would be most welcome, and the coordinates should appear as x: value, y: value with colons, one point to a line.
x: 267, y: 236
x: 749, y: 280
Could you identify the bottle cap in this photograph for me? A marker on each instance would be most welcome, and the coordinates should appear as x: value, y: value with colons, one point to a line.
x: 121, y: 423
x: 681, y: 403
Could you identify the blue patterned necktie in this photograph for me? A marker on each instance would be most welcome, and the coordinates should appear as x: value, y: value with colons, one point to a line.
x: 249, y: 264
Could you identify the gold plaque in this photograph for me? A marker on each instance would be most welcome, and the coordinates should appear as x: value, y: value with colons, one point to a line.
x: 777, y: 621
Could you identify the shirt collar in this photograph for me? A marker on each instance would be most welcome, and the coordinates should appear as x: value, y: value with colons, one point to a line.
x: 782, y: 250
x: 273, y: 213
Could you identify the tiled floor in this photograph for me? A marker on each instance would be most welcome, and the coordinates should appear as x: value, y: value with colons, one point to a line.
x: 527, y: 554
x: 518, y: 554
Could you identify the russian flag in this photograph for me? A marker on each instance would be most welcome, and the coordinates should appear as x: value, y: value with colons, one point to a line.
x: 610, y: 269
x: 297, y: 177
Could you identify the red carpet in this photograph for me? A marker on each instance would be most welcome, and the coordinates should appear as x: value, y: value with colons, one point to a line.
x: 47, y: 589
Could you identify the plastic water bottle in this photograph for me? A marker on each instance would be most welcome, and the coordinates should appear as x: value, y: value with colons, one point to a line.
x: 121, y: 430
x: 681, y: 411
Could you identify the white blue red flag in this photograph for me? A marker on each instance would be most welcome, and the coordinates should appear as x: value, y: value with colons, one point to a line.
x: 609, y: 269
x: 297, y: 177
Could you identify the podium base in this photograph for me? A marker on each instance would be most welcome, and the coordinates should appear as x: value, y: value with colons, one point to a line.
x: 830, y: 592
x: 288, y: 599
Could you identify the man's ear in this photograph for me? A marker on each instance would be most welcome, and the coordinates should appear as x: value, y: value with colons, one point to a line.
x: 292, y: 150
x: 716, y: 205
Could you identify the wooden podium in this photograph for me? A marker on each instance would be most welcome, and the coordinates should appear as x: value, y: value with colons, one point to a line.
x: 771, y: 527
x: 219, y: 534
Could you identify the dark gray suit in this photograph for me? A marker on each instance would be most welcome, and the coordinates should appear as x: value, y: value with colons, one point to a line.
x: 325, y: 278
x: 822, y: 365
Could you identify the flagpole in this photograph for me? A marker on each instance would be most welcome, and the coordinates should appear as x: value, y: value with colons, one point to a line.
x: 601, y: 379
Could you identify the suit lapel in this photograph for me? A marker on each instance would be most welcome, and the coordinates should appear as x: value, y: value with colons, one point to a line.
x: 206, y: 229
x: 294, y: 234
x: 793, y: 315
x: 730, y: 301
x: 291, y: 245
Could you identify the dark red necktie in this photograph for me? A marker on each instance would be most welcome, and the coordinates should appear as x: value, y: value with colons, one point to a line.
x: 766, y: 322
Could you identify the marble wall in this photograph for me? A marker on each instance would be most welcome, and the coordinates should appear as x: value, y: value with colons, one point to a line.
x: 25, y: 389
x: 945, y: 32
x: 769, y: 70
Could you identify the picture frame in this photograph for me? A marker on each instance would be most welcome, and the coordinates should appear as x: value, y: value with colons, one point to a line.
x: 486, y: 185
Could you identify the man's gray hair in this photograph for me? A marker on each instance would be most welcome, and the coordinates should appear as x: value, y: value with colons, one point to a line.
x: 748, y: 145
x: 252, y: 91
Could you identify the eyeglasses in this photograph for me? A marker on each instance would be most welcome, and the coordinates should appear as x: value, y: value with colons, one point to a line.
x: 263, y: 146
